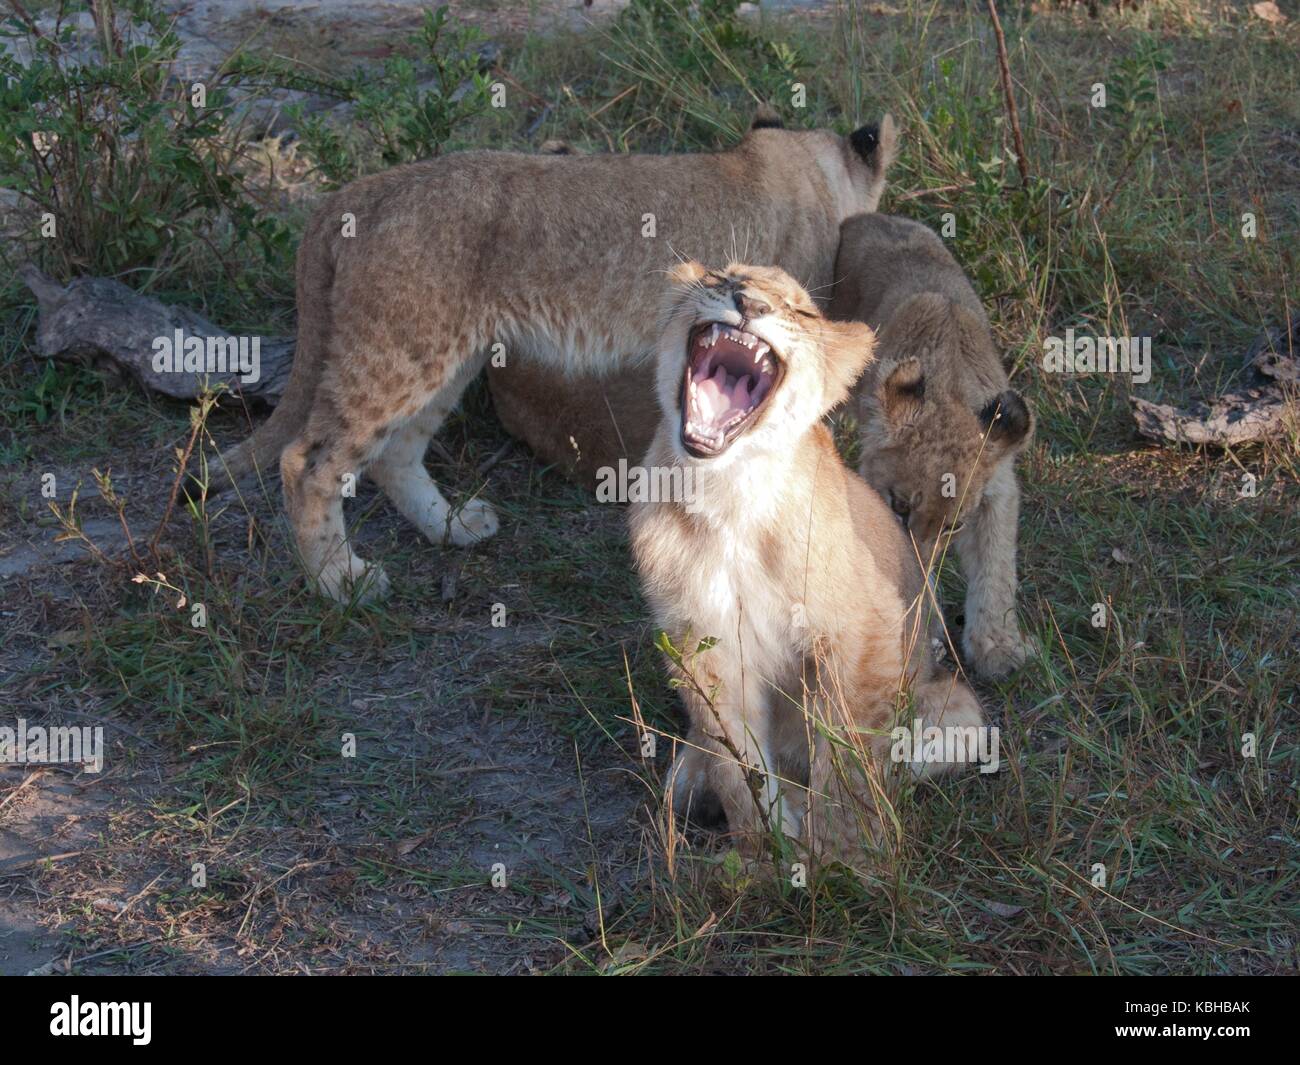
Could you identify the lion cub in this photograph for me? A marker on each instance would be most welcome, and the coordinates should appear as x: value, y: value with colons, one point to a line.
x: 787, y: 559
x: 941, y: 427
x: 412, y: 280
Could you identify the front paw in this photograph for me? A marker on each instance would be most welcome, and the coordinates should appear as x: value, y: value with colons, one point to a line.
x: 355, y: 580
x: 995, y: 653
x: 473, y: 522
x: 692, y: 796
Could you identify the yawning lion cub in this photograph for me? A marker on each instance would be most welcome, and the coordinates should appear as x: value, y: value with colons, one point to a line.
x: 787, y: 560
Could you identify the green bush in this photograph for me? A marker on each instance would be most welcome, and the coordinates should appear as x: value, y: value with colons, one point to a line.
x: 108, y: 151
x: 405, y: 111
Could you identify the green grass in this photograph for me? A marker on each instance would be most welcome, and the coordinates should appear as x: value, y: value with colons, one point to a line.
x: 1121, y: 745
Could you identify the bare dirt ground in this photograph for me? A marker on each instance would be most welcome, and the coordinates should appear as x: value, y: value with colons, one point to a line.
x: 395, y: 860
x: 379, y: 862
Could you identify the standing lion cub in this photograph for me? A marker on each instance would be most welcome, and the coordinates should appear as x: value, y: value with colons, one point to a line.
x: 941, y: 426
x: 409, y: 281
x: 787, y: 560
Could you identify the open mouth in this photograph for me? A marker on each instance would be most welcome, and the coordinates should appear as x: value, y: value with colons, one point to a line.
x: 729, y: 376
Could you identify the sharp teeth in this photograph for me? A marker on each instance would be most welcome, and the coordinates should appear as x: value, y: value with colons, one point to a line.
x: 713, y: 335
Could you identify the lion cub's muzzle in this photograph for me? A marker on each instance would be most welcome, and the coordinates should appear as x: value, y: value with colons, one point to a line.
x: 730, y: 374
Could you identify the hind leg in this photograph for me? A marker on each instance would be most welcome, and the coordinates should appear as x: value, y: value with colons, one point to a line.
x: 315, y: 469
x: 360, y: 419
x: 846, y: 790
x: 400, y: 471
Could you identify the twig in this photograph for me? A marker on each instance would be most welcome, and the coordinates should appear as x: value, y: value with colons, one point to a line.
x: 1012, y: 115
x: 13, y: 792
x: 26, y: 19
x: 138, y: 896
x: 1123, y: 173
x: 495, y: 457
x: 610, y: 103
x: 25, y: 861
x: 180, y: 476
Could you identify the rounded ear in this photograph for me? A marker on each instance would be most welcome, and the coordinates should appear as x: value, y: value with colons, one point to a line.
x: 851, y: 347
x: 686, y: 273
x: 902, y: 391
x: 876, y: 144
x: 1007, y: 419
x: 766, y: 117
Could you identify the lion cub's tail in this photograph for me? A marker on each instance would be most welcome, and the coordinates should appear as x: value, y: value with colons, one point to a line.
x: 315, y: 282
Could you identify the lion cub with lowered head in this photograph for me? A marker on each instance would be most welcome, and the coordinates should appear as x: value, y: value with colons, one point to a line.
x: 787, y: 559
x: 941, y: 426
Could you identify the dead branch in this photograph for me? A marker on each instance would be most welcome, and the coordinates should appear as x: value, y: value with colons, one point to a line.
x: 1013, y: 116
x: 97, y: 321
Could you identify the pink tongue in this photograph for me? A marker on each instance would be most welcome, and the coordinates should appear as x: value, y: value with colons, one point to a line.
x: 740, y: 396
x: 711, y: 396
x: 715, y: 401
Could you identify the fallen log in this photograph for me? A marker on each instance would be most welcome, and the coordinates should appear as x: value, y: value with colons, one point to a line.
x: 1262, y: 409
x: 103, y: 323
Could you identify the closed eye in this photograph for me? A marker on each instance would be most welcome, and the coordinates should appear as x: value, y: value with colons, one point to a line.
x: 898, y: 506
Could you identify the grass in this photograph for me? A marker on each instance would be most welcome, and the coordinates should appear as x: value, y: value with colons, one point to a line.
x: 1121, y: 745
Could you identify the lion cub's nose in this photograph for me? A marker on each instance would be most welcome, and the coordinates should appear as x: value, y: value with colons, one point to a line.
x: 749, y: 307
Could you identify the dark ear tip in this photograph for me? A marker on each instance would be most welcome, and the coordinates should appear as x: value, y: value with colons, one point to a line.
x: 766, y: 117
x: 865, y: 140
x: 1007, y: 417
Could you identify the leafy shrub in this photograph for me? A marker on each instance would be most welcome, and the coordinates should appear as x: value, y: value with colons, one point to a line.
x: 405, y: 111
x: 121, y: 163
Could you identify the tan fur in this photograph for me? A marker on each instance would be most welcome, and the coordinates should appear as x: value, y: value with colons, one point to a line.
x: 940, y: 426
x: 581, y: 426
x: 545, y: 255
x: 800, y: 573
